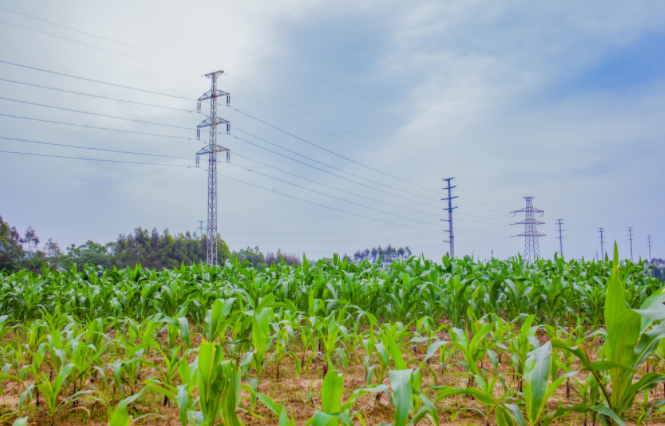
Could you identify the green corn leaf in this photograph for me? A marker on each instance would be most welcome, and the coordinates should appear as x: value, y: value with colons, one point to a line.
x: 400, y: 382
x: 537, y: 374
x: 516, y: 414
x: 615, y: 301
x: 433, y: 348
x: 324, y: 419
x: 120, y: 416
x: 331, y: 392
x: 395, y: 353
x: 503, y: 417
x: 655, y: 300
x: 606, y: 365
x: 484, y: 397
x: 609, y: 413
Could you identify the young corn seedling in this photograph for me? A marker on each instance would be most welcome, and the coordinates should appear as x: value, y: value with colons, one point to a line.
x: 628, y: 345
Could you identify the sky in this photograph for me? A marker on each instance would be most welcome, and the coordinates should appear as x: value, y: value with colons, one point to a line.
x: 345, y: 117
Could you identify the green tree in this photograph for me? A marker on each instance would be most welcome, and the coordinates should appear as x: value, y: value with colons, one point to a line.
x: 11, y: 251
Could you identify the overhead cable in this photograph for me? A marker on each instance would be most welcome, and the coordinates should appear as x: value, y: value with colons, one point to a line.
x: 329, y: 151
x: 94, y: 127
x: 97, y: 81
x: 98, y: 37
x: 96, y: 114
x: 90, y: 45
x: 332, y: 187
x: 95, y: 96
x: 332, y: 196
x: 317, y: 168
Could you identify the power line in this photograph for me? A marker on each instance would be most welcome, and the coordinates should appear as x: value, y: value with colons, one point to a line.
x: 92, y: 148
x: 93, y: 127
x: 96, y: 81
x: 96, y: 114
x: 155, y: 155
x: 320, y: 205
x: 103, y: 97
x: 336, y: 198
x: 324, y: 121
x: 183, y: 158
x: 330, y: 186
x: 95, y: 96
x: 96, y: 159
x: 221, y: 174
x: 402, y: 156
x: 254, y: 171
x: 96, y: 36
x: 163, y: 94
x: 189, y: 63
x: 317, y: 168
x: 90, y: 45
x: 329, y: 151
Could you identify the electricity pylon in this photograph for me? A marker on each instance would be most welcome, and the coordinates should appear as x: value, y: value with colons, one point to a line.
x: 450, y: 209
x: 649, y: 240
x: 630, y: 238
x: 211, y: 150
x: 530, y: 234
x: 559, y: 223
x: 602, y: 249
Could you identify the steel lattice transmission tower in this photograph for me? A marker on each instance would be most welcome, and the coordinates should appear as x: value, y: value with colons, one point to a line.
x: 211, y: 150
x: 530, y: 234
x: 451, y: 237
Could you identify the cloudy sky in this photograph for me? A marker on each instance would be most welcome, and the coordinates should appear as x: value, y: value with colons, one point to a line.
x: 346, y: 115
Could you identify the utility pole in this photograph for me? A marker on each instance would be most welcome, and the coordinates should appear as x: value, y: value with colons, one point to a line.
x: 530, y: 234
x: 602, y: 250
x: 630, y: 238
x: 211, y: 150
x: 450, y: 209
x: 649, y: 240
x: 560, y: 222
x: 201, y: 229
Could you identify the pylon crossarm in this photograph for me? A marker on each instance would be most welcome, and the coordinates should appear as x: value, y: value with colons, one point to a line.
x: 209, y: 95
x: 208, y: 122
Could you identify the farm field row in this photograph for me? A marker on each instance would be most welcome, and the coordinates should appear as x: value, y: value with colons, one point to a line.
x: 333, y: 342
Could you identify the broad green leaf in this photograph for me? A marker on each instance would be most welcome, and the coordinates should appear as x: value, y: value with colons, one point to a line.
x: 537, y: 374
x: 331, y: 392
x: 120, y: 416
x: 400, y: 382
x: 607, y: 412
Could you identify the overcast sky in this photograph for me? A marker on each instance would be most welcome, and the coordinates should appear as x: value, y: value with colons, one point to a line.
x: 563, y: 101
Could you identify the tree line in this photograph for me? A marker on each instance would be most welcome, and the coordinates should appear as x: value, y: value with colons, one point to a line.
x: 150, y: 249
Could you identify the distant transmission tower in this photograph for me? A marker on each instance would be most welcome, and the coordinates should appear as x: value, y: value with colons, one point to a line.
x: 530, y: 234
x: 211, y: 150
x: 450, y: 209
x: 559, y: 223
x: 201, y: 229
x: 649, y: 241
x: 630, y: 238
x: 602, y: 250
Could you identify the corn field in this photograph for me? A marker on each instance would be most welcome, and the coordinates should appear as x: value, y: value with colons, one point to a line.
x: 334, y: 342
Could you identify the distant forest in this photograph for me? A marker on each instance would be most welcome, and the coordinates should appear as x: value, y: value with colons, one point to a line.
x: 151, y: 249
